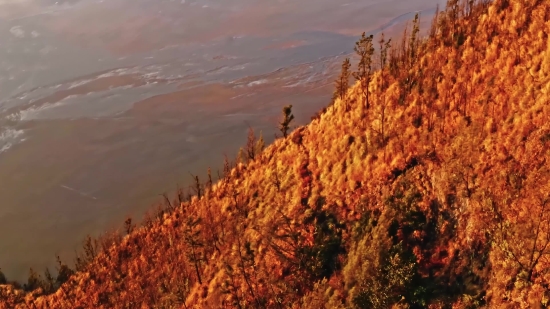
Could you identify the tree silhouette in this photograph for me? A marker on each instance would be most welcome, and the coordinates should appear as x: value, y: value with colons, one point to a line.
x: 342, y: 83
x: 284, y: 125
x: 365, y: 50
x: 3, y: 279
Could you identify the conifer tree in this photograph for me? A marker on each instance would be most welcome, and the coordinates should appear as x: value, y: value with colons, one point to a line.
x: 241, y: 156
x: 191, y: 235
x: 414, y: 40
x: 48, y: 282
x: 384, y: 47
x: 284, y: 125
x: 129, y: 226
x: 64, y: 272
x: 250, y: 145
x: 342, y: 83
x: 365, y: 50
x: 260, y: 144
x: 33, y: 282
x: 209, y: 182
x: 197, y: 186
x: 91, y: 250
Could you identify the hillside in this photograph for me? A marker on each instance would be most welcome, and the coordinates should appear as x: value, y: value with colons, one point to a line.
x: 435, y: 196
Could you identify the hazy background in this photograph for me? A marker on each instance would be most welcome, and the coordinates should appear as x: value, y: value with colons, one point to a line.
x: 105, y: 104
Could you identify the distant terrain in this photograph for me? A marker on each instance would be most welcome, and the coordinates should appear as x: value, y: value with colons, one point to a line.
x: 104, y: 105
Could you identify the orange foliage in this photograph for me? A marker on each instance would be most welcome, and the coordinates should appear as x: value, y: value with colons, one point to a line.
x: 436, y: 196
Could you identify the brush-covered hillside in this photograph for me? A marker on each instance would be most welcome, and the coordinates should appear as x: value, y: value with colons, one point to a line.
x: 432, y: 193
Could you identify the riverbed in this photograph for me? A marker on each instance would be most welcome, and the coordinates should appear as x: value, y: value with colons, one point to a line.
x: 105, y: 105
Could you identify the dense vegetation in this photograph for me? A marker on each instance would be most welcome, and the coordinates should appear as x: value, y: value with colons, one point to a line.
x: 424, y: 185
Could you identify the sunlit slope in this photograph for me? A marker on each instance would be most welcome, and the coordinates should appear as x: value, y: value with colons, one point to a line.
x: 437, y: 194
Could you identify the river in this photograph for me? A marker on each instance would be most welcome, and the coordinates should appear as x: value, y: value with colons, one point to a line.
x: 104, y: 105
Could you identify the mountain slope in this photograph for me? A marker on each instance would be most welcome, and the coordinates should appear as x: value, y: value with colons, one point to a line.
x: 435, y: 195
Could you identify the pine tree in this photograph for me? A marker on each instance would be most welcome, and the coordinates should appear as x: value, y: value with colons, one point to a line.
x: 91, y: 250
x: 49, y: 282
x: 414, y: 40
x: 384, y: 47
x: 3, y: 279
x: 33, y: 282
x: 284, y: 125
x: 129, y: 226
x: 197, y: 187
x: 251, y: 145
x: 64, y: 272
x: 241, y: 156
x: 260, y: 144
x: 365, y: 50
x: 342, y: 83
x: 191, y: 235
x: 209, y: 183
